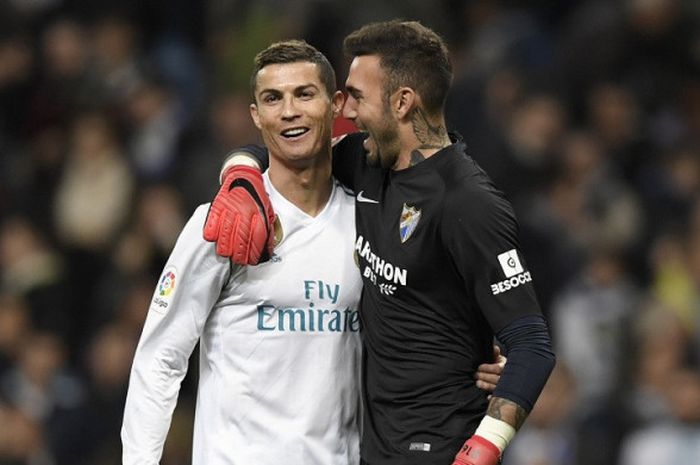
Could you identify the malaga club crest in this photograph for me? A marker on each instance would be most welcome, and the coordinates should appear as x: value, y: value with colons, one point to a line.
x: 409, y: 220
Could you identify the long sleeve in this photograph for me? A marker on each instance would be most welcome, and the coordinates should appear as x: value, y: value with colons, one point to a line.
x: 184, y: 296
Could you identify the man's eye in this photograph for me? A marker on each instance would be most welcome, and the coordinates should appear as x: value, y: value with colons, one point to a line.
x: 306, y: 95
x: 270, y: 98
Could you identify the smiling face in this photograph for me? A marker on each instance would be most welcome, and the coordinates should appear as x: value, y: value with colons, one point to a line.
x: 368, y: 107
x: 294, y: 112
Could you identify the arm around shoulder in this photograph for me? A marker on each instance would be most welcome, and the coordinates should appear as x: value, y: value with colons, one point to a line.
x: 241, y: 218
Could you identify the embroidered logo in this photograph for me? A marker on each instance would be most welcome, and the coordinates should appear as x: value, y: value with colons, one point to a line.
x: 419, y: 446
x: 514, y: 271
x: 279, y: 232
x: 409, y: 220
x: 166, y: 286
x: 361, y: 198
x: 510, y: 263
x: 165, y: 290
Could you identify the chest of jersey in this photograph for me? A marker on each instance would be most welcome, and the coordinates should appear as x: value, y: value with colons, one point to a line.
x: 398, y: 244
x: 281, y: 348
x: 310, y: 286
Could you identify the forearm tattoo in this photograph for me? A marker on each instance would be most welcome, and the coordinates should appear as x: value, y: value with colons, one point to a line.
x: 430, y: 136
x: 508, y: 411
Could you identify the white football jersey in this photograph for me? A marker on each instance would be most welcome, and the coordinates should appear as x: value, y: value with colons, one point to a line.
x: 279, y: 347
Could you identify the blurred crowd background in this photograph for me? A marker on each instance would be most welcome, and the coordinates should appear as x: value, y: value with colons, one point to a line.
x: 115, y: 117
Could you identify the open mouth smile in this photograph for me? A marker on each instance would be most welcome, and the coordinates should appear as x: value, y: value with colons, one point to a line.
x: 294, y: 132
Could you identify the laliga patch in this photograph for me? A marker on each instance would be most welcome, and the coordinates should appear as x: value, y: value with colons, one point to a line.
x: 165, y: 290
x: 409, y: 220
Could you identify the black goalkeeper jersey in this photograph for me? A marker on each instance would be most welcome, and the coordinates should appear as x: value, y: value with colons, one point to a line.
x: 438, y: 252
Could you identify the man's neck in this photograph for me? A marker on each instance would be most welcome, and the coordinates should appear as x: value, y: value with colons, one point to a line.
x: 421, y: 138
x: 308, y: 187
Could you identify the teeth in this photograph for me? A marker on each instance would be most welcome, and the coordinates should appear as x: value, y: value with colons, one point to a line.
x: 294, y: 132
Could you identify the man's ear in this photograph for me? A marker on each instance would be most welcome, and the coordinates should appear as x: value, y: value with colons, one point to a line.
x: 254, y: 114
x: 337, y: 102
x: 405, y: 99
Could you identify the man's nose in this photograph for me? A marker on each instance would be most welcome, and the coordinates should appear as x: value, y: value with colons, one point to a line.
x: 350, y: 109
x: 289, y: 108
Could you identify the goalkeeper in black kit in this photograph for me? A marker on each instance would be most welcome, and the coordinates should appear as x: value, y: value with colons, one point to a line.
x: 437, y: 248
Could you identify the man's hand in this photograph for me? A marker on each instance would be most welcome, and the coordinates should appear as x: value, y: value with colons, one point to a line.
x: 477, y: 451
x: 241, y: 219
x: 488, y: 374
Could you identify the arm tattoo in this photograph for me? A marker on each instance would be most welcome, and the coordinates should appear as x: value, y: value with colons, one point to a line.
x: 430, y: 136
x: 508, y: 411
x: 416, y: 157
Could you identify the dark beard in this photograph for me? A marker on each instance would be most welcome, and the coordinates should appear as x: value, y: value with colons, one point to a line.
x: 376, y: 160
x: 387, y: 158
x: 387, y: 162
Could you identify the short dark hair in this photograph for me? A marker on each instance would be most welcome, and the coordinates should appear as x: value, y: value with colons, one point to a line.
x: 294, y: 51
x: 411, y: 54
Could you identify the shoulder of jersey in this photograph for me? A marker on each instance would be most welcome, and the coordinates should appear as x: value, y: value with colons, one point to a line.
x: 353, y: 140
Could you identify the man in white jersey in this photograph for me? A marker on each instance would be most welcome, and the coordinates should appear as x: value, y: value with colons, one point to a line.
x: 279, y: 342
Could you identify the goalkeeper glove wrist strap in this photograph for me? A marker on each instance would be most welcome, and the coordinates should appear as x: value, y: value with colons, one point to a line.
x: 497, y: 432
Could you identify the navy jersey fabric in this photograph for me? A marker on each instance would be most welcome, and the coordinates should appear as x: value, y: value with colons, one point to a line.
x: 438, y: 252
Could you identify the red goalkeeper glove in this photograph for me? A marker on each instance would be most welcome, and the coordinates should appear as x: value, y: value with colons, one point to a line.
x: 477, y: 451
x: 241, y: 219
